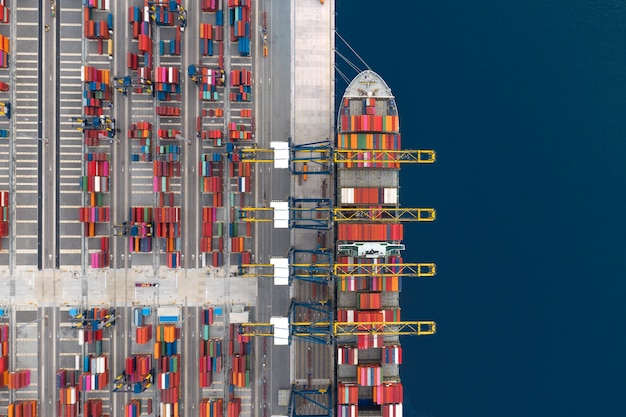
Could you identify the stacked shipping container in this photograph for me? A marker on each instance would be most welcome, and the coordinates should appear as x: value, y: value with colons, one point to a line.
x: 210, y: 351
x: 23, y: 408
x: 95, y: 182
x: 239, y: 13
x: 143, y: 132
x: 4, y: 12
x: 165, y: 12
x: 240, y: 85
x: 211, y: 407
x: 168, y: 368
x: 4, y: 51
x: 99, y: 30
x: 4, y: 355
x: 172, y: 46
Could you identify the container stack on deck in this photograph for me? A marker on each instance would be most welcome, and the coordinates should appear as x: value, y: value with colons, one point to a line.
x: 368, y: 374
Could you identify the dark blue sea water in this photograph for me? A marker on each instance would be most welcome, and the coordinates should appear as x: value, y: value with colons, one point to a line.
x: 525, y: 103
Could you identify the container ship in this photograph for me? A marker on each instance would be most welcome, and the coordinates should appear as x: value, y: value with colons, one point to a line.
x: 368, y: 378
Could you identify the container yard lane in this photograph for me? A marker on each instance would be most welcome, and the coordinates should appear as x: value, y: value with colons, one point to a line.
x: 69, y: 91
x: 273, y: 105
x: 28, y: 148
x: 6, y: 152
x: 49, y: 144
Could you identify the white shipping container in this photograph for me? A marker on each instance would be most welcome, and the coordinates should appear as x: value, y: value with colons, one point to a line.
x: 347, y: 195
x: 391, y: 196
x: 350, y: 316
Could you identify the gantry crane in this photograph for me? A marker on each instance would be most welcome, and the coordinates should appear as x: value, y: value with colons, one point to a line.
x: 319, y: 214
x: 320, y: 397
x: 140, y: 84
x: 195, y: 74
x: 322, y: 154
x: 385, y: 270
x: 323, y: 270
x: 319, y: 268
x: 325, y: 330
x: 169, y: 6
x: 103, y: 123
x: 79, y: 319
x: 5, y: 109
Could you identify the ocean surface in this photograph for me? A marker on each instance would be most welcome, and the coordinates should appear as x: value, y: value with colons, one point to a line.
x: 525, y: 103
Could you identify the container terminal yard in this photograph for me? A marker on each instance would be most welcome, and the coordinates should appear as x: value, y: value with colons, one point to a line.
x: 188, y: 227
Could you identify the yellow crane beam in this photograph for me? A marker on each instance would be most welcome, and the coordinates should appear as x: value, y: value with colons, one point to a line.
x: 383, y: 214
x: 353, y: 270
x: 415, y: 328
x: 343, y: 156
x: 347, y: 214
x: 253, y: 154
x: 253, y: 214
x: 385, y: 270
x: 419, y: 156
x: 401, y: 328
